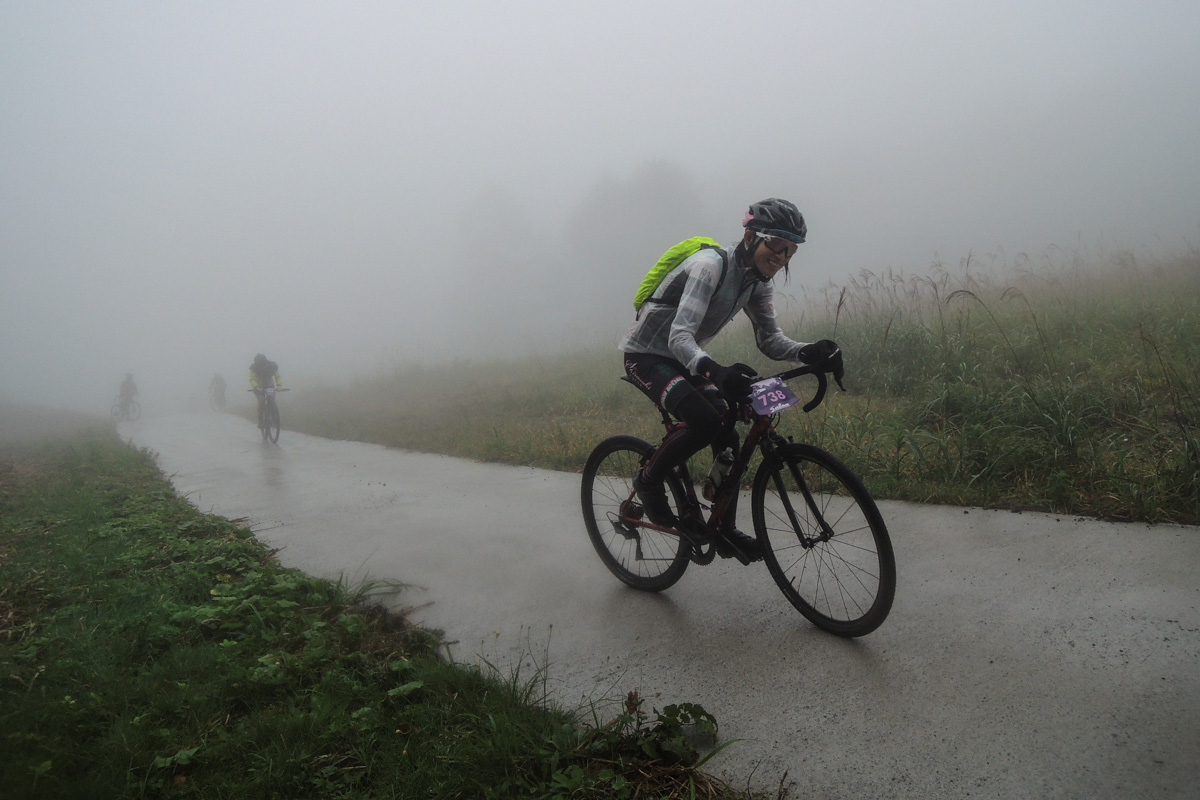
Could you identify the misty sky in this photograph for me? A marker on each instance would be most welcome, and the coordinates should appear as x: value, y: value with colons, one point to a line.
x: 350, y: 185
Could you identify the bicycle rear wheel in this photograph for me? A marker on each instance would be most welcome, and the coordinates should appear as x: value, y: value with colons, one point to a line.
x: 118, y: 411
x: 824, y: 540
x: 135, y: 409
x: 643, y: 558
x: 271, y: 423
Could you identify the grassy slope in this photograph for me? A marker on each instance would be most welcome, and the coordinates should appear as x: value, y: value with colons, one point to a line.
x: 1068, y: 390
x: 149, y: 650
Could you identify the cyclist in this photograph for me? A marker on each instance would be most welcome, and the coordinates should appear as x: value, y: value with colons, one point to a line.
x: 665, y: 356
x: 127, y: 392
x: 264, y: 374
x: 216, y: 389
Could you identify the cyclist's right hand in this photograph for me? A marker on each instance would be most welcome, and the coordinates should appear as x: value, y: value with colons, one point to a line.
x: 734, y: 382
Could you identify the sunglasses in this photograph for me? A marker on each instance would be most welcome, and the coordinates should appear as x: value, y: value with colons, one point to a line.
x: 778, y: 245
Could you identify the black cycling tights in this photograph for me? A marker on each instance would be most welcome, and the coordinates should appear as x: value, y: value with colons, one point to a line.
x: 703, y: 424
x: 691, y: 399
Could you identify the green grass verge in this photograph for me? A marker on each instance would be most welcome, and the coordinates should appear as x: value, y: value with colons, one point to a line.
x: 148, y: 650
x: 1072, y: 389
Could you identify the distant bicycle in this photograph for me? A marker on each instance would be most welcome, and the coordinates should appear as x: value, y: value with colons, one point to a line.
x: 216, y: 399
x: 126, y: 409
x: 268, y: 413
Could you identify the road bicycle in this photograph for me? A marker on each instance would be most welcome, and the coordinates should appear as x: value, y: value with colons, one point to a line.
x: 268, y: 413
x: 822, y: 536
x: 216, y: 399
x: 126, y: 409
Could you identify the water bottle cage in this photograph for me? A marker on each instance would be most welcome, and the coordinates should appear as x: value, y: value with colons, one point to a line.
x: 722, y: 464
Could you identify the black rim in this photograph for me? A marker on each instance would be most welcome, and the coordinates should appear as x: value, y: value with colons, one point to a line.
x: 825, y: 542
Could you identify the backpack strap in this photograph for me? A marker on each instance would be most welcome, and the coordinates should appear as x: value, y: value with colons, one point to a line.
x: 720, y: 280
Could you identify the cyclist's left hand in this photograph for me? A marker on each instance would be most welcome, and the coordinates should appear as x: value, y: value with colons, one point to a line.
x: 828, y: 356
x: 817, y: 352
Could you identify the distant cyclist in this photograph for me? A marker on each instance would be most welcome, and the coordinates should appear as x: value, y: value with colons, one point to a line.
x: 127, y: 392
x: 665, y: 356
x: 264, y: 374
x: 216, y: 390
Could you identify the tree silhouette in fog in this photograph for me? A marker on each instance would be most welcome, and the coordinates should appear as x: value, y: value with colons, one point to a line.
x: 619, y: 230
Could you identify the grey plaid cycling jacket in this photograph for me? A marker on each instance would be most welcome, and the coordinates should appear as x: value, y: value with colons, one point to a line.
x: 680, y: 330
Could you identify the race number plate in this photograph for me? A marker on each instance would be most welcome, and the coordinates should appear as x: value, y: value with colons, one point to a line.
x: 771, y: 396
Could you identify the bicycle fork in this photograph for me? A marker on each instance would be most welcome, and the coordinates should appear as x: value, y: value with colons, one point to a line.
x: 808, y: 542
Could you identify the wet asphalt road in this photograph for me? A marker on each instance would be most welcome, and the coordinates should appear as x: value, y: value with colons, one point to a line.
x: 1027, y: 655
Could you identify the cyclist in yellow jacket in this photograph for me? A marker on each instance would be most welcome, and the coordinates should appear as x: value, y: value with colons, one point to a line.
x: 264, y: 374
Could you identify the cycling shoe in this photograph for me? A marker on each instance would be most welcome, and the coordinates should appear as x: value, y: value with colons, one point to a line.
x: 653, y: 497
x: 732, y: 543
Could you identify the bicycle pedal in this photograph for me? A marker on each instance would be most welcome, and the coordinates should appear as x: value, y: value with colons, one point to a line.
x: 740, y: 556
x: 727, y: 549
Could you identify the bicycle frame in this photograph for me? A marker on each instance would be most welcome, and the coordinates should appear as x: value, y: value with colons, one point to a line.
x: 760, y: 436
x: 268, y: 412
x: 816, y: 526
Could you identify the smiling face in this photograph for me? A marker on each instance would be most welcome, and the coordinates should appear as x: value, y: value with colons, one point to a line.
x: 771, y: 253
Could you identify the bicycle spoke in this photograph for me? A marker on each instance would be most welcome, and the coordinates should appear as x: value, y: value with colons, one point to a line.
x: 642, y: 557
x: 828, y: 551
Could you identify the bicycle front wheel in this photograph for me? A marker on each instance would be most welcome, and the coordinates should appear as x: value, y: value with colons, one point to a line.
x: 118, y: 411
x: 824, y: 540
x: 135, y: 409
x: 271, y: 420
x: 643, y: 558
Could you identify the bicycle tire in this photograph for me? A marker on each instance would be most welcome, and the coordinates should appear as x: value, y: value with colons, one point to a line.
x: 118, y: 412
x: 271, y: 429
x: 642, y: 558
x: 135, y: 410
x: 841, y: 575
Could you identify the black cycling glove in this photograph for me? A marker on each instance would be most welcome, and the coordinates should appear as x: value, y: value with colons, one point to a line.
x: 827, y: 355
x: 734, y: 382
x: 817, y: 352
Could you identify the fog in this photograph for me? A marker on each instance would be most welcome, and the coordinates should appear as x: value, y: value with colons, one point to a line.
x: 348, y: 187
